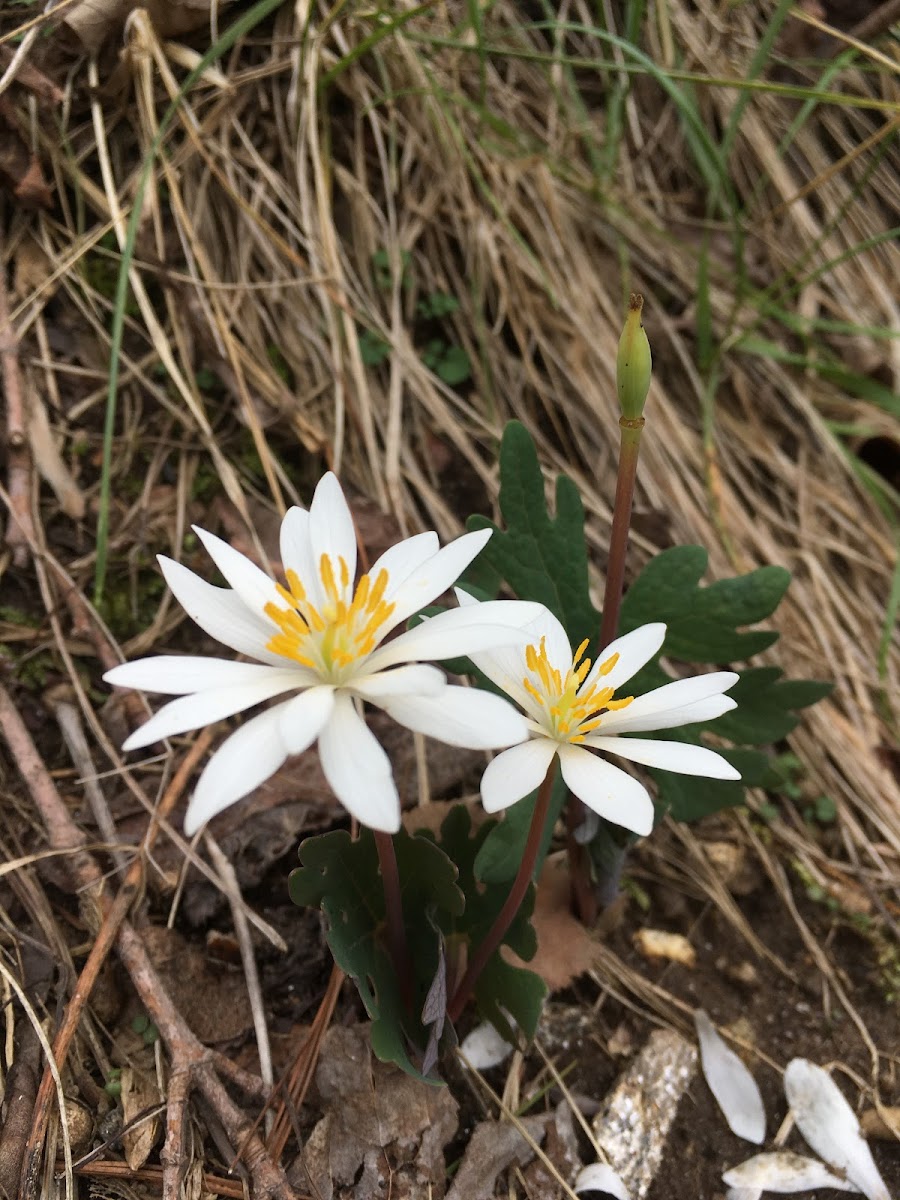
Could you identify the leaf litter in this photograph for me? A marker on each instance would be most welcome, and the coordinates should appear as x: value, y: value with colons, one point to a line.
x: 781, y: 487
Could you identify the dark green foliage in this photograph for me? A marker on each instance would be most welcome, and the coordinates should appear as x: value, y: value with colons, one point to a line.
x: 541, y: 557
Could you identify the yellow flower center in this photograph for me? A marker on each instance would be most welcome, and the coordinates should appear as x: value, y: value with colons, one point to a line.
x: 333, y: 637
x: 570, y: 713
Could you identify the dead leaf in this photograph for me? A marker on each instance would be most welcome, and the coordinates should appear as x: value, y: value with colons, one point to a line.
x: 565, y: 947
x: 139, y: 1093
x: 214, y: 1000
x: 881, y: 1123
x: 657, y: 943
x: 561, y: 1148
x: 28, y: 76
x: 494, y: 1146
x: 93, y: 21
x: 49, y: 461
x: 383, y: 1133
x: 32, y: 269
x: 20, y: 171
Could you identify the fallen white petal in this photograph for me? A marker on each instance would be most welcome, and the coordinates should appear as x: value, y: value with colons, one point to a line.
x: 606, y: 789
x: 357, y: 768
x: 179, y: 675
x: 830, y: 1127
x: 204, y: 708
x: 515, y: 773
x: 242, y: 763
x: 484, y: 1048
x: 220, y: 612
x: 459, y: 716
x: 681, y: 757
x: 689, y: 714
x: 743, y: 1194
x: 783, y: 1172
x: 252, y: 584
x: 635, y: 649
x: 331, y: 531
x: 733, y: 1086
x: 600, y: 1177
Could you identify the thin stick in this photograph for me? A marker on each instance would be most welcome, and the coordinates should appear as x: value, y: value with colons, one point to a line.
x: 186, y: 1052
x: 232, y: 890
x: 20, y: 529
x: 506, y: 916
x: 393, y: 902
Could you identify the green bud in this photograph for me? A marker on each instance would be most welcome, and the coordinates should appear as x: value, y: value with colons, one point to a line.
x: 633, y: 362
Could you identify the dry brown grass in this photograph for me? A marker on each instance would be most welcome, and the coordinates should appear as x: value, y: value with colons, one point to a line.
x: 264, y: 212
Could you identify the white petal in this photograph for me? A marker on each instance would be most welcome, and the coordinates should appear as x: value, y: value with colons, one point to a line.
x: 556, y: 641
x: 435, y: 575
x: 331, y: 528
x: 416, y: 680
x: 607, y: 789
x: 681, y: 757
x: 515, y: 773
x: 402, y: 559
x: 358, y: 769
x: 624, y: 721
x: 673, y: 700
x: 733, y: 1086
x: 253, y: 585
x: 830, y: 1127
x: 505, y: 665
x: 783, y: 1172
x: 634, y: 649
x: 204, y: 708
x: 460, y: 716
x: 599, y: 1177
x: 457, y: 631
x: 484, y: 1048
x: 220, y: 612
x: 179, y: 675
x: 740, y: 1193
x: 297, y: 553
x: 301, y: 719
x: 242, y: 763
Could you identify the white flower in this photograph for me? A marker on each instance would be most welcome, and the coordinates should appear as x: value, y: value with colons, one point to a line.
x: 324, y: 639
x: 572, y: 711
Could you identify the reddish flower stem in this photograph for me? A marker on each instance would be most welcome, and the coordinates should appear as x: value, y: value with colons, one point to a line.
x: 506, y: 916
x: 583, y: 893
x: 393, y: 903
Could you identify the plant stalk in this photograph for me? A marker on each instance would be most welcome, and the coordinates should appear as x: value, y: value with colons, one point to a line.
x: 393, y: 903
x: 583, y: 894
x: 513, y: 902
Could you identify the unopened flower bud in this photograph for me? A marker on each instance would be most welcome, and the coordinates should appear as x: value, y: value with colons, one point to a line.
x: 633, y: 363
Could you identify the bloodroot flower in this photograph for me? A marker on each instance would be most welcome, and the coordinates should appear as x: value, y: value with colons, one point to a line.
x: 574, y: 711
x: 322, y: 637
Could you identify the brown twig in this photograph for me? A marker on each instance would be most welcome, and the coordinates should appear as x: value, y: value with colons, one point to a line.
x: 20, y: 528
x: 192, y: 1065
x: 305, y: 1064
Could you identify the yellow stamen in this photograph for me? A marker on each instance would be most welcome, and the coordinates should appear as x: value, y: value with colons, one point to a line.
x: 572, y: 713
x: 330, y: 638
